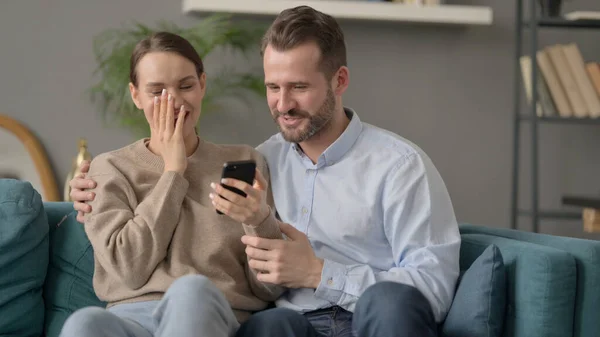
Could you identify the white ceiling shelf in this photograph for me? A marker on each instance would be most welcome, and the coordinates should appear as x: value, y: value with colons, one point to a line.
x: 355, y: 10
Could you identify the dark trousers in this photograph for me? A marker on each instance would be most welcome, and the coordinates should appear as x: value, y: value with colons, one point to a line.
x: 385, y: 309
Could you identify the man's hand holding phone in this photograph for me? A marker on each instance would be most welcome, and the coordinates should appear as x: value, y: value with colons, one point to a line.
x: 250, y: 210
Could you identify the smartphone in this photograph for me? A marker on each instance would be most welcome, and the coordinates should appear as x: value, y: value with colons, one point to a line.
x: 241, y: 170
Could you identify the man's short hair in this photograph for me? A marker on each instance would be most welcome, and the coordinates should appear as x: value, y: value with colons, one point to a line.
x: 303, y: 24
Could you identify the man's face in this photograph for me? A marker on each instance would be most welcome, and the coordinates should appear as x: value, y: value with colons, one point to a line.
x: 300, y: 98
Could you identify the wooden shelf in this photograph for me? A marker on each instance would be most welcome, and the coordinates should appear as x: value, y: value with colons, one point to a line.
x: 563, y: 120
x: 564, y: 23
x: 553, y: 214
x: 355, y: 10
x: 582, y: 201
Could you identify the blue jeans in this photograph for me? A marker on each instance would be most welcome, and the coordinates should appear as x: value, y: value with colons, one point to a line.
x: 385, y: 309
x: 192, y: 306
x: 331, y: 322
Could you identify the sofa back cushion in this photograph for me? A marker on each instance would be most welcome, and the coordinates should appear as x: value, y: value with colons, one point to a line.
x: 541, y: 284
x: 587, y: 259
x: 71, y: 269
x: 23, y: 259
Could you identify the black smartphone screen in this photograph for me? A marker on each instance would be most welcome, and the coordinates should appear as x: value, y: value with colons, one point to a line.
x: 240, y: 170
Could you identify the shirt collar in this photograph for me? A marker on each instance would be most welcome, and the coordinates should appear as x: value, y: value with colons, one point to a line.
x: 341, y: 145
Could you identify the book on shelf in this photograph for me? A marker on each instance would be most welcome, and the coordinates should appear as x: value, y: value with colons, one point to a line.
x: 582, y: 79
x: 568, y: 86
x: 557, y: 92
x: 545, y: 105
x: 559, y: 60
x: 593, y: 69
x: 591, y: 210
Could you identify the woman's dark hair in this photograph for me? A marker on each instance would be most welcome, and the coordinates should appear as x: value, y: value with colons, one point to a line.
x: 166, y: 42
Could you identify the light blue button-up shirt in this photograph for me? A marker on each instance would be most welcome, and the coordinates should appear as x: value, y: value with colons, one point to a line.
x: 374, y: 208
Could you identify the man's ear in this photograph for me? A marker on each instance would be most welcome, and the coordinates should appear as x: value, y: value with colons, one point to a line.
x: 340, y: 80
x: 135, y: 95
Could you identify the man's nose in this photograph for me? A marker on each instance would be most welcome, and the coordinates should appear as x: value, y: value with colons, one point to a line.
x: 285, y: 102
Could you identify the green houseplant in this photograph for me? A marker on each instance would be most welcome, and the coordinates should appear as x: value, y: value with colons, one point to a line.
x: 113, y: 48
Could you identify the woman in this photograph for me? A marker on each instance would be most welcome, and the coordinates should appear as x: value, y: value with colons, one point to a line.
x: 165, y: 262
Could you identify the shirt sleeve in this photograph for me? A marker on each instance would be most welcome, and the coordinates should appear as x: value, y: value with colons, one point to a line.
x: 422, y: 231
x: 131, y: 239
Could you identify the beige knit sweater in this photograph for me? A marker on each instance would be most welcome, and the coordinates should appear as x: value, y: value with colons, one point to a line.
x: 149, y: 228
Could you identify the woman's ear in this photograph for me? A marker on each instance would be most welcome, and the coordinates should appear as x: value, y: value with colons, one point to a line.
x: 202, y: 81
x: 135, y: 95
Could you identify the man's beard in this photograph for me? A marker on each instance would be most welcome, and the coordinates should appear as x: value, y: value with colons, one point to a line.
x: 318, y: 122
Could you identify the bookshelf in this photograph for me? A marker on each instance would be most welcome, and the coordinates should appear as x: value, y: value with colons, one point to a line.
x: 354, y: 10
x: 531, y: 25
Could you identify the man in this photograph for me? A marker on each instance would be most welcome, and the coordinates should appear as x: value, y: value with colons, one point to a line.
x: 373, y: 245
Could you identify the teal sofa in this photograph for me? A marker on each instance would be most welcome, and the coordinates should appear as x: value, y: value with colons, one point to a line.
x: 46, y: 268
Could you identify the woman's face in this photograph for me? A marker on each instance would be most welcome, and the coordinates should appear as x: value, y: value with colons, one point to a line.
x: 177, y: 75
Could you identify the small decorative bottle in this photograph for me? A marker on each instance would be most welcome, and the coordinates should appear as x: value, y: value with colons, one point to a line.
x: 82, y: 155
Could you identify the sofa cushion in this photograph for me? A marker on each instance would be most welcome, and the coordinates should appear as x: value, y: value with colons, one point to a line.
x: 71, y: 268
x: 541, y: 284
x: 479, y: 304
x: 23, y: 259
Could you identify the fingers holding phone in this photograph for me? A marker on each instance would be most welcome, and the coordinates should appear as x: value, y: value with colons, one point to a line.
x: 242, y: 193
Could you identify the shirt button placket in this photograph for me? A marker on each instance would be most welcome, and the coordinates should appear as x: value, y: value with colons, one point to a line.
x: 308, y: 198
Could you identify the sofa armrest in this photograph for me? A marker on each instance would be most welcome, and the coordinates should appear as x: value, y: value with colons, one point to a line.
x: 69, y: 282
